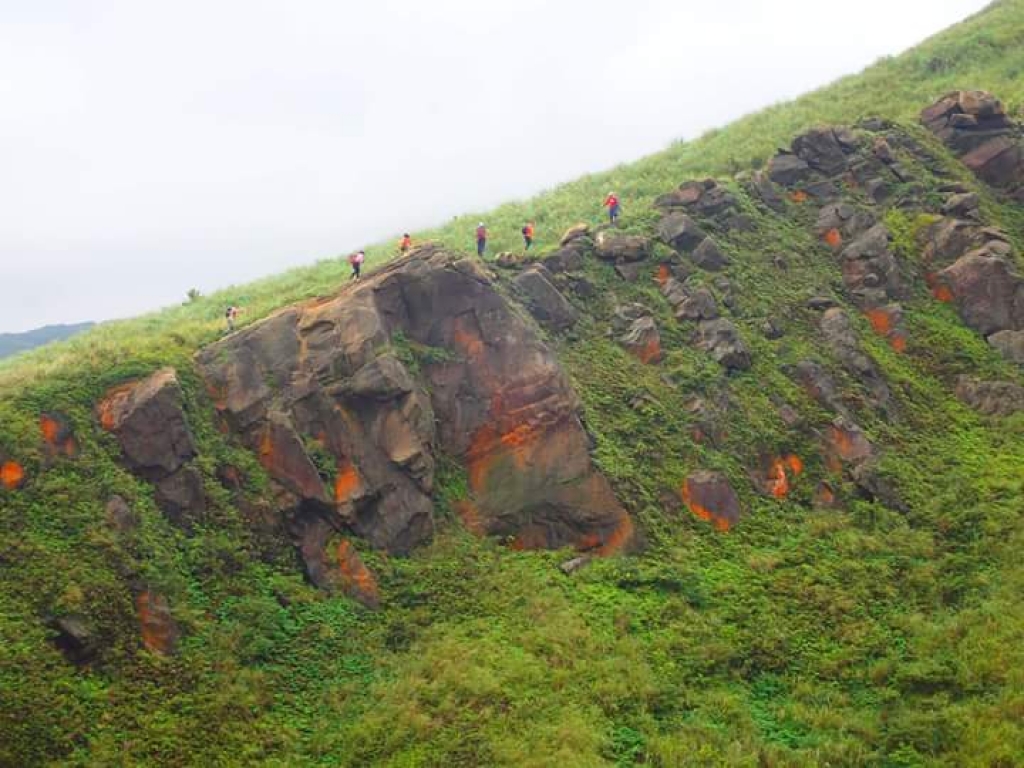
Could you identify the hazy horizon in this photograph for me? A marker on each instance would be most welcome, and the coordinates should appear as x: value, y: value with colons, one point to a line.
x: 150, y: 150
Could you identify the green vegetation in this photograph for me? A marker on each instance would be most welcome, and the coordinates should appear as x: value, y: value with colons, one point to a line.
x: 860, y: 636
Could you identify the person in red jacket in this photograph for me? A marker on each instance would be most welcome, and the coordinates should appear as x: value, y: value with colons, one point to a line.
x: 528, y: 234
x: 405, y: 244
x: 481, y: 239
x: 612, y: 204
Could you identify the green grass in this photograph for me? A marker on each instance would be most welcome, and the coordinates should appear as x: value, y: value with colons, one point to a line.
x: 861, y: 636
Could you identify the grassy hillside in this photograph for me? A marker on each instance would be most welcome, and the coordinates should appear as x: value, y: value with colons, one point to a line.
x: 803, y: 637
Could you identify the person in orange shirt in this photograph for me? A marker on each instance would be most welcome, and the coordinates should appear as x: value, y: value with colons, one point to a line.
x: 612, y: 204
x: 528, y: 234
x: 405, y: 244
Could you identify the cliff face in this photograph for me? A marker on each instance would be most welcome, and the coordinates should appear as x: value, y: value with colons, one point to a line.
x: 423, y: 358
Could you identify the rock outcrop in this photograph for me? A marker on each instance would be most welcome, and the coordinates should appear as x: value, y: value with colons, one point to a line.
x: 975, y: 126
x: 709, y: 496
x: 423, y: 357
x: 148, y: 420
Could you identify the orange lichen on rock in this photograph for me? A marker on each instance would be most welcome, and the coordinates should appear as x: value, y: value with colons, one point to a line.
x: 109, y: 407
x: 780, y: 470
x: 663, y: 274
x: 467, y: 338
x: 356, y: 579
x: 898, y: 342
x: 824, y: 496
x: 347, y: 485
x: 710, y: 497
x: 57, y: 435
x: 798, y: 196
x: 11, y: 475
x: 845, y: 443
x: 943, y: 293
x: 650, y: 352
x: 159, y: 630
x: 881, y: 321
x: 618, y: 538
x: 833, y: 238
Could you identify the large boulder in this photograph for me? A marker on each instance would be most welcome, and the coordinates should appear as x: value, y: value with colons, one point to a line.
x: 705, y: 198
x: 544, y: 301
x: 992, y: 398
x: 988, y: 291
x: 680, y: 231
x: 612, y: 246
x: 721, y: 339
x: 788, y: 170
x: 643, y: 340
x: 158, y: 629
x: 821, y: 150
x: 709, y: 256
x: 975, y: 126
x: 484, y: 390
x: 709, y: 496
x: 147, y: 419
x: 1010, y: 345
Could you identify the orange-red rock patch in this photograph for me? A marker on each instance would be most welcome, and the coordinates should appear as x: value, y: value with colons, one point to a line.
x: 943, y: 293
x: 12, y: 475
x: 798, y: 196
x: 662, y: 275
x: 347, y: 485
x: 357, y: 580
x: 710, y: 497
x: 57, y: 436
x: 781, y: 471
x: 833, y: 238
x: 158, y: 628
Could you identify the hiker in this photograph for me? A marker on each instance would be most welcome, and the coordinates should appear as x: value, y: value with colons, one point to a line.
x: 231, y: 315
x: 356, y: 261
x: 528, y: 234
x: 481, y: 239
x: 612, y: 204
x: 405, y: 244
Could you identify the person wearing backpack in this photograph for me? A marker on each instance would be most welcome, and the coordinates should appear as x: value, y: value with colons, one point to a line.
x: 405, y: 244
x: 356, y: 262
x: 528, y: 235
x: 481, y: 239
x: 231, y: 316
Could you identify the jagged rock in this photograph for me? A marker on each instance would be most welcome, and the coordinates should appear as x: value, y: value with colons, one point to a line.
x: 846, y: 443
x: 787, y: 170
x: 699, y: 305
x: 582, y: 287
x: 825, y: 497
x: 775, y: 474
x: 848, y: 140
x: 765, y: 190
x: 877, y: 190
x: 887, y: 321
x: 624, y: 315
x: 567, y: 259
x: 630, y: 271
x: 975, y: 126
x: 499, y: 400
x: 181, y: 496
x: 704, y: 198
x: 674, y: 291
x: 1010, y: 345
x: 845, y: 221
x: 961, y: 205
x: 720, y: 338
x: 709, y: 496
x: 880, y: 149
x: 159, y: 630
x: 147, y: 419
x: 612, y: 246
x: 120, y: 516
x: 992, y: 398
x: 772, y: 329
x: 838, y: 331
x: 709, y: 256
x: 820, y: 302
x: 550, y: 307
x: 58, y: 436
x: 820, y: 385
x: 680, y: 231
x: 509, y: 260
x: 869, y: 268
x: 643, y: 340
x: 820, y: 149
x: 574, y: 233
x: 988, y: 291
x: 948, y: 239
x: 74, y: 638
x: 823, y: 191
x: 575, y: 564
x: 875, y: 486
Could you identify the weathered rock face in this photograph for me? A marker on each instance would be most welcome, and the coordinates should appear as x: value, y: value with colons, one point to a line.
x: 787, y: 169
x: 838, y: 332
x: 721, y: 339
x: 612, y: 246
x: 326, y: 379
x: 710, y: 497
x: 1010, y: 345
x: 156, y: 443
x: 987, y: 290
x: 992, y: 398
x: 975, y: 126
x: 157, y: 626
x: 821, y: 150
x: 544, y: 301
x: 681, y: 232
x: 870, y: 271
x: 643, y: 340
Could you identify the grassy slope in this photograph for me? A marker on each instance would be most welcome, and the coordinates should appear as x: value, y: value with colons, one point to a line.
x: 862, y: 637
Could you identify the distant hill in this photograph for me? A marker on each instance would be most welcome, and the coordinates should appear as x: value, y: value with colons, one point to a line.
x: 12, y: 343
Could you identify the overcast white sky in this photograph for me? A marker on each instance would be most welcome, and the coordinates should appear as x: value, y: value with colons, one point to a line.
x: 148, y: 147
